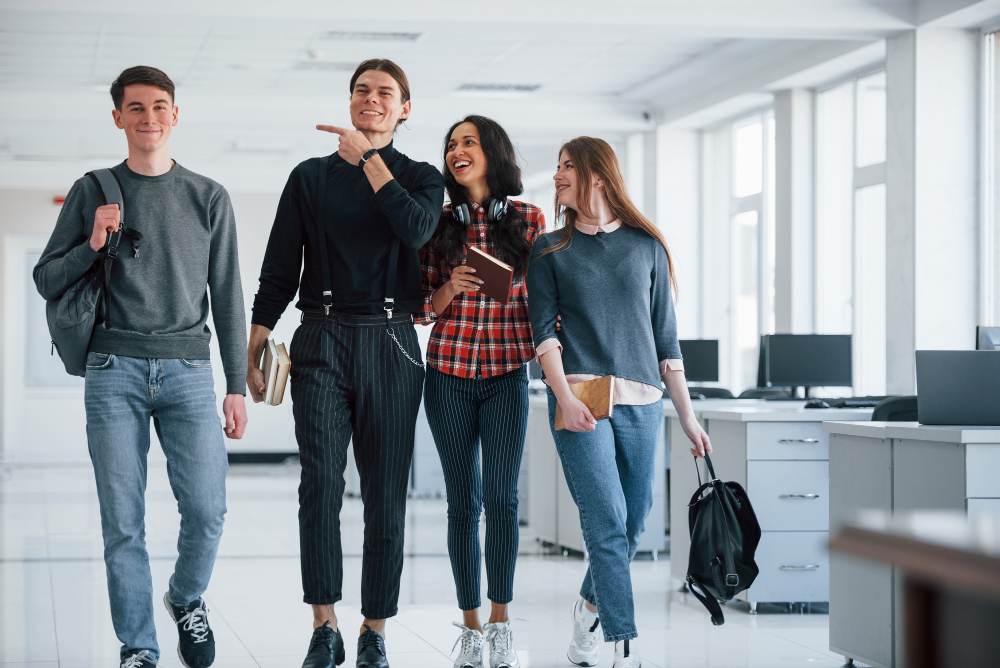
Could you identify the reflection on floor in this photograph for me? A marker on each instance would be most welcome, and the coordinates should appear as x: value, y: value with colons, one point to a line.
x: 54, y: 604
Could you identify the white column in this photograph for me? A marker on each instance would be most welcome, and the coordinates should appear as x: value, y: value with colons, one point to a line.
x: 931, y: 197
x: 635, y: 169
x: 678, y: 213
x: 794, y: 207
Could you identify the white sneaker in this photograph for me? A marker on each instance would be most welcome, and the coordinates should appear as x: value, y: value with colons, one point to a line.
x: 626, y: 656
x: 585, y: 649
x: 471, y: 654
x: 501, y: 640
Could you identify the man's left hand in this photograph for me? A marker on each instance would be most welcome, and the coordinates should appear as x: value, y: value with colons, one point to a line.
x: 353, y: 144
x: 235, y: 411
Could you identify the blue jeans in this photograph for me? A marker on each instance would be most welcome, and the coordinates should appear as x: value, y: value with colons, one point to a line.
x: 121, y: 395
x: 609, y: 472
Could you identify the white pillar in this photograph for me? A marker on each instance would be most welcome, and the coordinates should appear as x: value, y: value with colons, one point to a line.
x: 678, y: 213
x: 635, y: 169
x: 931, y: 196
x: 794, y: 250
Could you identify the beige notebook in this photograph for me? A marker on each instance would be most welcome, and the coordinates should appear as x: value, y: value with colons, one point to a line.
x: 276, y: 367
x: 597, y: 394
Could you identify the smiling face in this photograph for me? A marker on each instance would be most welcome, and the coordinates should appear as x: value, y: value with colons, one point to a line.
x: 376, y: 103
x: 465, y: 158
x: 567, y: 188
x: 147, y: 116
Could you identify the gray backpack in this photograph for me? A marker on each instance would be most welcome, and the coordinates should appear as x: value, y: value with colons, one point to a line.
x: 72, y: 316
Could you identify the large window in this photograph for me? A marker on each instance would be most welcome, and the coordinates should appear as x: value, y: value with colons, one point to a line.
x: 990, y: 230
x: 850, y: 222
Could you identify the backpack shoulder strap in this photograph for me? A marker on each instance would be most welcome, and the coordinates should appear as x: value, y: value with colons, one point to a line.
x: 111, y: 190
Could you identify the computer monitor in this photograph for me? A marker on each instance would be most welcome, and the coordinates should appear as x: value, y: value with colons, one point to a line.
x: 701, y: 360
x: 806, y: 360
x: 987, y: 338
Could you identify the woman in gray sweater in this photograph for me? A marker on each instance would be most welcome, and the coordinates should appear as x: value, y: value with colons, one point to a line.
x: 609, y: 275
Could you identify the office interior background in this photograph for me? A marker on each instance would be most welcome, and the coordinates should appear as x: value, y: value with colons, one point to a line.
x: 816, y: 166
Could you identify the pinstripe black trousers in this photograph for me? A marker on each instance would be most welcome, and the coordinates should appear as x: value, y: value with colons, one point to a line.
x: 462, y: 412
x: 349, y: 378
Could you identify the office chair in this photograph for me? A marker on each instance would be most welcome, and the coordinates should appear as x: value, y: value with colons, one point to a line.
x: 766, y: 393
x: 711, y: 392
x: 896, y: 409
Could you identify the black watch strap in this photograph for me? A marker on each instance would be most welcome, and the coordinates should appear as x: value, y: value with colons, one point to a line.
x: 367, y: 156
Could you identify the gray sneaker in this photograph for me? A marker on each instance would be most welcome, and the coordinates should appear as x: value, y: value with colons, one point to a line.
x: 140, y: 659
x: 585, y: 648
x: 471, y: 653
x: 501, y: 640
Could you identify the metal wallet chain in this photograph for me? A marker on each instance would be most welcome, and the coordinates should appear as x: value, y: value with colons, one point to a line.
x: 401, y: 348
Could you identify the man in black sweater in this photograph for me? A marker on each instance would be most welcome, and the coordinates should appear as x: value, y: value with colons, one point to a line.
x: 358, y: 219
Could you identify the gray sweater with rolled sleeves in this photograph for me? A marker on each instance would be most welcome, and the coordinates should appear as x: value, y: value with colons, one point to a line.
x: 612, y: 290
x: 159, y: 301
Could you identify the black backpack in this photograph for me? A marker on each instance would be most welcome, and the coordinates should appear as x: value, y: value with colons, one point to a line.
x: 724, y: 537
x: 71, y: 316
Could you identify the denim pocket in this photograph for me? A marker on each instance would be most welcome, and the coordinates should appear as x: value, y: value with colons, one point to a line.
x: 98, y: 361
x: 197, y: 364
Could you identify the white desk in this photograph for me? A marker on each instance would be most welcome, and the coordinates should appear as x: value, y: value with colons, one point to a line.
x: 779, y: 453
x: 897, y: 467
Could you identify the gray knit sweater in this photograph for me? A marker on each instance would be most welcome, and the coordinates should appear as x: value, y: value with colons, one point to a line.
x: 159, y: 301
x: 612, y: 290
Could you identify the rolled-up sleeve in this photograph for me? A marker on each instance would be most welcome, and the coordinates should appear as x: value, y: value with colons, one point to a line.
x: 431, y: 279
x: 543, y: 297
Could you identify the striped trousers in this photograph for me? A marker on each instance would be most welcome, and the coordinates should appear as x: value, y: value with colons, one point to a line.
x: 350, y: 379
x: 462, y: 412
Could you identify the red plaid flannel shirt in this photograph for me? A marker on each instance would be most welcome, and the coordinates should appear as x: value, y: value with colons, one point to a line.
x: 476, y: 332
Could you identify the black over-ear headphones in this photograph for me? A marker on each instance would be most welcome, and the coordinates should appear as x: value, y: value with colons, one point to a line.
x: 495, y: 210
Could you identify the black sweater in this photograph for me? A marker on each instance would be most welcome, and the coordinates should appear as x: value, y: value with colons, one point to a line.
x: 360, y: 227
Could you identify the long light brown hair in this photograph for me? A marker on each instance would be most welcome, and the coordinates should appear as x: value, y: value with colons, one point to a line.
x: 594, y: 157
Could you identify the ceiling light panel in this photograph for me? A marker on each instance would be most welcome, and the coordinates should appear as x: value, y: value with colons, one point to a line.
x: 370, y: 36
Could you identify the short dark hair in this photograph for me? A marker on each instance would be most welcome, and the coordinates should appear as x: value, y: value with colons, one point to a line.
x: 140, y: 74
x: 390, y: 68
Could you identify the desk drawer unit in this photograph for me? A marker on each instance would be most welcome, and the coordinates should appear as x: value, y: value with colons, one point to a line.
x: 794, y: 567
x: 787, y: 440
x: 790, y: 495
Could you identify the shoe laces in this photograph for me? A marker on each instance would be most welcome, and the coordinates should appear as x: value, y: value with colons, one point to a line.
x: 499, y: 637
x: 370, y: 638
x: 136, y: 660
x: 468, y: 640
x: 196, y: 623
x: 588, y: 632
x: 322, y: 635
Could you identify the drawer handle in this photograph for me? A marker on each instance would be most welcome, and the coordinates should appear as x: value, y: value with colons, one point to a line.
x: 799, y: 496
x: 799, y: 440
x: 807, y: 567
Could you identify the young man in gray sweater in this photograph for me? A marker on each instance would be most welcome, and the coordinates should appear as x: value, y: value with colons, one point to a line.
x: 150, y: 359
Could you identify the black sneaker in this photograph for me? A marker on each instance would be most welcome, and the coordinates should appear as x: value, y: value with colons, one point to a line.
x: 326, y: 648
x: 371, y: 650
x: 196, y: 644
x: 138, y: 659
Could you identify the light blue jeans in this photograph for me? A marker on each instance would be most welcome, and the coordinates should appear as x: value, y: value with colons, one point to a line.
x: 121, y: 395
x: 609, y: 472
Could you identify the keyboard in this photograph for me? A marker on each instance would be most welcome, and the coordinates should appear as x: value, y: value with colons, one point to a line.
x: 855, y: 402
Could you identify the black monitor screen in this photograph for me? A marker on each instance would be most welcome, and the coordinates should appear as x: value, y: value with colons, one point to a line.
x: 811, y: 360
x: 701, y: 360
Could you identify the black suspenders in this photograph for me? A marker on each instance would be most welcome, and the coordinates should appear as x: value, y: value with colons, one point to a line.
x: 388, y: 303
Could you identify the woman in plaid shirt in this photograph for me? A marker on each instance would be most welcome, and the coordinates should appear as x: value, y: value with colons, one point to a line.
x: 476, y: 388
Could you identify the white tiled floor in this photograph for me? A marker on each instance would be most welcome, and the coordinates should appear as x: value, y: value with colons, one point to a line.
x: 54, y: 606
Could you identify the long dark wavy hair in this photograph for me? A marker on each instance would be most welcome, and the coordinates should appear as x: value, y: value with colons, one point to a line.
x: 503, y: 178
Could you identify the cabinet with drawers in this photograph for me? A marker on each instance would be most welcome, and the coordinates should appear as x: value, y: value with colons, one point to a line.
x: 780, y: 455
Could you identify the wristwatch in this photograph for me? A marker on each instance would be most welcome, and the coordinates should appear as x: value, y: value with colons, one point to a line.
x: 367, y: 156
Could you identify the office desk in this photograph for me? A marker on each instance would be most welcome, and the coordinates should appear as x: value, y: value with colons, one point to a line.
x: 778, y: 452
x: 552, y: 513
x: 897, y: 467
x: 950, y: 565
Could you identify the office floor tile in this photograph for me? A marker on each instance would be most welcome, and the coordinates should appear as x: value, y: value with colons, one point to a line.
x: 54, y: 603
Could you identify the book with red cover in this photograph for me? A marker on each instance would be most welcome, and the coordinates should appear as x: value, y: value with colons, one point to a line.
x: 496, y: 275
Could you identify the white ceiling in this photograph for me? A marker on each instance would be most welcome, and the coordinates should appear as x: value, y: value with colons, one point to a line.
x: 255, y: 76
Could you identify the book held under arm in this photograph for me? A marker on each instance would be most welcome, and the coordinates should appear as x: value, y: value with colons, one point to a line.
x: 275, y: 367
x: 597, y: 394
x: 496, y: 275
